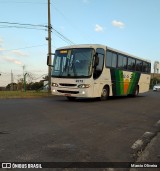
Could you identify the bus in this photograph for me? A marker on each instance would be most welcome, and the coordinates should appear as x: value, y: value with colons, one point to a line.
x: 92, y: 70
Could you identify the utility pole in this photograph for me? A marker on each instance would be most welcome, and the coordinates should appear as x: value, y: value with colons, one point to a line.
x: 49, y: 47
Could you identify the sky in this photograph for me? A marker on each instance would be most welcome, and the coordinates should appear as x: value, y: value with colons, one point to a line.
x: 131, y: 26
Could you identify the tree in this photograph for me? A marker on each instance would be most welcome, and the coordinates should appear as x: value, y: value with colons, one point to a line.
x: 36, y: 85
x: 46, y: 78
x: 20, y: 84
x: 12, y: 86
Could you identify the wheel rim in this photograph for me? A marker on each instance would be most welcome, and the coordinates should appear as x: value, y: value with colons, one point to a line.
x: 104, y: 93
x: 136, y: 92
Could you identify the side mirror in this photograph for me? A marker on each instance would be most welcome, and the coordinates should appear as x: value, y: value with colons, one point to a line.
x: 48, y: 62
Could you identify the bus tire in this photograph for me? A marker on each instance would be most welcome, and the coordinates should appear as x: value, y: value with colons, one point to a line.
x: 71, y: 98
x: 104, y: 93
x: 136, y: 92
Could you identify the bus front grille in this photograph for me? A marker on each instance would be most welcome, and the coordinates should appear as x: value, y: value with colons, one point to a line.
x: 68, y: 92
x: 68, y: 85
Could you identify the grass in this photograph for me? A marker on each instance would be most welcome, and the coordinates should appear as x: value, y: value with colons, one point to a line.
x: 22, y: 94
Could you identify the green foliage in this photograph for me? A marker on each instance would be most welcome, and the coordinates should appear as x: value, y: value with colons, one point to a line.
x: 20, y: 85
x: 34, y: 86
x: 11, y: 86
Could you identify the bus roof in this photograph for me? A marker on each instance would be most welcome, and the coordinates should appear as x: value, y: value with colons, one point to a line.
x: 83, y: 46
x: 101, y: 46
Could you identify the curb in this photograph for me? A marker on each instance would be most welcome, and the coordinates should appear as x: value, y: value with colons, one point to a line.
x: 140, y: 144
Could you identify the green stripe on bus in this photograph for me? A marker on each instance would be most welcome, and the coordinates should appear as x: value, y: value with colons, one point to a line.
x: 118, y: 82
x: 121, y: 82
x: 133, y: 82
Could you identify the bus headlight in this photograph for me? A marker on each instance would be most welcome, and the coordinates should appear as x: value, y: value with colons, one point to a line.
x: 84, y: 86
x: 54, y: 84
x: 83, y: 92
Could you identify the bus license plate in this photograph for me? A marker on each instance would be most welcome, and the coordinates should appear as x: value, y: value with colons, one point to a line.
x: 67, y: 94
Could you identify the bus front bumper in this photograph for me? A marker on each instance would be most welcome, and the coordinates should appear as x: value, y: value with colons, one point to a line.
x: 84, y: 92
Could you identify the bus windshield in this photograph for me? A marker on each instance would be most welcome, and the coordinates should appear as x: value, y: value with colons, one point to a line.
x: 73, y: 63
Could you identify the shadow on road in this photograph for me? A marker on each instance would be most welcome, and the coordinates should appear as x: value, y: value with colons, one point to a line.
x: 90, y: 100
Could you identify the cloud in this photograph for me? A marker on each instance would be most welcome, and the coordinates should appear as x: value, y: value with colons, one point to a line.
x: 98, y: 28
x: 118, y: 24
x: 11, y: 60
x: 19, y: 53
x: 1, y: 41
x: 1, y: 49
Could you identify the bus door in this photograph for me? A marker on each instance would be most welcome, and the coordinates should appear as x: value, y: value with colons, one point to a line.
x: 98, y: 68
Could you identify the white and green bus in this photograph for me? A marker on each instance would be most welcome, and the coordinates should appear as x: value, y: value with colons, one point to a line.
x: 92, y: 71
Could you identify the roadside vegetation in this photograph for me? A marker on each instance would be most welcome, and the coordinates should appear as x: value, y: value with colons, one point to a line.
x: 25, y: 89
x: 22, y: 94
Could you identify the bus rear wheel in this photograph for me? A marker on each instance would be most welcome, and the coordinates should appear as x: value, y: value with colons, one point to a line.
x: 104, y: 94
x: 71, y: 98
x: 136, y: 92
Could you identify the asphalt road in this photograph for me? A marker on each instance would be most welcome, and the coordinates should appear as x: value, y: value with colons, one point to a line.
x: 54, y: 129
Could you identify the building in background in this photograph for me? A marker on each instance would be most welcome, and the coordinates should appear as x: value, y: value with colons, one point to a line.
x: 156, y: 67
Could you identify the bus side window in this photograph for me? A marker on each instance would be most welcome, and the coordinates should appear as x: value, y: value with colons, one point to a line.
x: 146, y: 67
x: 114, y: 60
x: 138, y: 65
x: 111, y: 59
x: 149, y: 68
x: 131, y: 64
x: 122, y: 62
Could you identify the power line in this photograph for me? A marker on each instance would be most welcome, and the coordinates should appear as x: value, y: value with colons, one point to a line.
x: 72, y: 25
x: 63, y: 37
x: 20, y: 2
x: 27, y: 47
x: 21, y: 27
x: 34, y: 26
x: 39, y: 77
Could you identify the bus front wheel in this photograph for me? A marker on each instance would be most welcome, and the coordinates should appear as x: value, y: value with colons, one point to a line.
x: 104, y: 94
